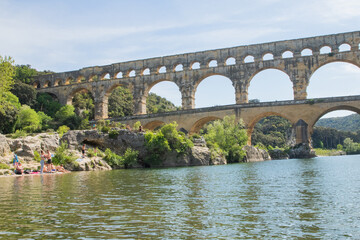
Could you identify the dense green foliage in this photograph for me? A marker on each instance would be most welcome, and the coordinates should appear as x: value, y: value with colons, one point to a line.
x: 24, y: 73
x: 25, y: 93
x: 127, y: 160
x: 351, y: 147
x: 229, y: 136
x: 272, y: 131
x: 165, y: 140
x: 121, y: 103
x: 62, y: 129
x: 46, y: 103
x: 28, y: 119
x: 63, y: 155
x: 347, y: 123
x: 10, y: 107
x: 157, y: 104
x: 83, y: 103
x: 329, y: 138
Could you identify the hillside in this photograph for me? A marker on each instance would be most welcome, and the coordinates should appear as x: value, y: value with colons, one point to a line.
x: 347, y: 123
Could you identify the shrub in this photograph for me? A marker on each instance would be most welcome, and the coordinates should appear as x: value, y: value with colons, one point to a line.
x: 4, y: 166
x: 19, y: 133
x: 62, y: 129
x: 37, y: 156
x: 105, y: 129
x: 113, y: 134
x: 63, y: 156
x: 112, y: 158
x: 130, y: 157
x: 137, y: 125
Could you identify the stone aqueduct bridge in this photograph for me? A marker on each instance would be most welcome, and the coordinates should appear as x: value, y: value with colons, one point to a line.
x: 298, y: 58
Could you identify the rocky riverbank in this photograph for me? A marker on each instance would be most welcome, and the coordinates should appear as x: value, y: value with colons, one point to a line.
x: 199, y: 155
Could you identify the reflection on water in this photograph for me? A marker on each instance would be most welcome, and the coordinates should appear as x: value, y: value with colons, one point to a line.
x: 302, y: 199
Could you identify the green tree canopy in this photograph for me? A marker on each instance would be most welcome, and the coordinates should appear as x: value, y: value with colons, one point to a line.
x: 157, y: 104
x: 10, y: 108
x: 46, y: 103
x: 227, y: 135
x: 83, y: 103
x: 121, y: 103
x: 25, y: 93
x: 64, y: 113
x: 28, y: 119
x: 6, y: 78
x: 25, y: 73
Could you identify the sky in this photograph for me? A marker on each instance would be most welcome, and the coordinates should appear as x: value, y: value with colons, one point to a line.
x: 69, y: 35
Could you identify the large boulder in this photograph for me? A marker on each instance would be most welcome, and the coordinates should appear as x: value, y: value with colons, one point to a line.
x: 254, y: 154
x: 302, y: 150
x: 4, y: 146
x: 24, y: 147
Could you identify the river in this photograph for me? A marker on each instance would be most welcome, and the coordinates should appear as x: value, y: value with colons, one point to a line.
x: 281, y: 199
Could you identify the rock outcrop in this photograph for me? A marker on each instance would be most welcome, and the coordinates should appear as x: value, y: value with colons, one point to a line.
x: 254, y: 154
x: 302, y: 150
x: 4, y: 146
x: 278, y: 154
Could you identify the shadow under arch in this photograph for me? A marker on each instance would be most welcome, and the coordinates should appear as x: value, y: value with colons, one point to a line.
x: 75, y: 91
x: 153, y: 125
x: 337, y: 108
x: 200, y: 123
x: 251, y: 125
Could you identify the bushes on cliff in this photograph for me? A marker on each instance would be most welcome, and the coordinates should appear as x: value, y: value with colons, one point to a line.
x: 63, y: 156
x: 229, y: 136
x: 165, y: 140
x: 127, y: 160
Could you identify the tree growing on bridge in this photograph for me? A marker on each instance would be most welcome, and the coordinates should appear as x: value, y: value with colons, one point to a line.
x: 229, y: 136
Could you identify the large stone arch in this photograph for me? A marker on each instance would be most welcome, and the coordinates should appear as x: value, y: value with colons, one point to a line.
x: 316, y: 118
x: 261, y: 70
x: 74, y: 91
x: 201, y: 122
x: 192, y: 91
x: 251, y: 124
x: 153, y: 124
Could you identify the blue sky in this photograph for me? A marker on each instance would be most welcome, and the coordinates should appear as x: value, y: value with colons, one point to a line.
x: 69, y: 35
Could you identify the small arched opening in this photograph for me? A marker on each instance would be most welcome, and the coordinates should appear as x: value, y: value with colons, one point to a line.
x: 195, y: 65
x: 306, y: 52
x: 287, y: 54
x: 230, y: 61
x: 212, y: 63
x: 249, y: 59
x: 268, y: 56
x: 179, y: 67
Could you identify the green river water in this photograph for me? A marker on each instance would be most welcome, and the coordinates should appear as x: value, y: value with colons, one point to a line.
x: 283, y: 199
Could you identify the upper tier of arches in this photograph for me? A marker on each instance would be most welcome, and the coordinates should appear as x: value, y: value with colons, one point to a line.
x: 228, y: 57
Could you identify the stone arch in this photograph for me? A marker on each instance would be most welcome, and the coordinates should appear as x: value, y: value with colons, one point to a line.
x: 178, y: 67
x: 153, y: 125
x: 230, y: 61
x: 287, y: 54
x: 212, y: 63
x: 250, y: 125
x: 195, y: 128
x: 37, y: 85
x: 249, y: 59
x: 69, y: 81
x: 105, y: 76
x: 307, y: 51
x: 119, y: 75
x: 58, y: 82
x: 325, y: 49
x: 267, y: 56
x: 316, y: 118
x: 80, y: 79
x: 73, y: 92
x: 344, y: 47
x: 145, y: 71
x: 47, y: 84
x: 161, y: 69
x: 131, y: 73
x: 195, y: 65
x: 328, y: 61
x: 222, y: 90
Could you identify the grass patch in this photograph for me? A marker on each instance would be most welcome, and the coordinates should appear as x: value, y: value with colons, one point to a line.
x: 326, y: 152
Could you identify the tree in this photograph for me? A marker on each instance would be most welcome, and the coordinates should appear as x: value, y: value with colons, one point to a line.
x: 28, y: 119
x: 10, y: 108
x: 25, y: 93
x: 25, y: 73
x: 121, y: 103
x: 45, y: 103
x: 229, y: 136
x: 84, y: 105
x: 6, y: 79
x: 157, y: 104
x: 64, y: 113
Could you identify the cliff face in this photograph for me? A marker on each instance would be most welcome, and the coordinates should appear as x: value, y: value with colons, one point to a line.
x: 254, y: 154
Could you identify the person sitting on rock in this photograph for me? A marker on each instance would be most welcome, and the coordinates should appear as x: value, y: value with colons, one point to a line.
x: 19, y: 170
x: 61, y: 169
